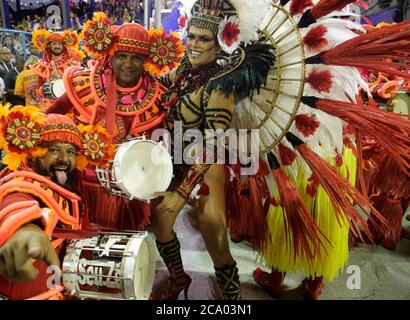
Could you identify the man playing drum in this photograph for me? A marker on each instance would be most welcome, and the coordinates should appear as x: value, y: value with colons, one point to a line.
x: 118, y: 91
x: 59, y: 53
x: 38, y: 193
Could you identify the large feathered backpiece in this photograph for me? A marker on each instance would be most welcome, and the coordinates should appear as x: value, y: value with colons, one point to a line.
x: 308, y: 102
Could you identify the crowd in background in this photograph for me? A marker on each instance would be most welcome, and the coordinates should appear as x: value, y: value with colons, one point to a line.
x: 80, y: 11
x: 11, y: 65
x: 17, y: 48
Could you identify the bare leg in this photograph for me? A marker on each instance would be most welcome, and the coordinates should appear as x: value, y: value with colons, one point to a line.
x: 212, y: 221
x: 212, y: 217
x: 162, y: 225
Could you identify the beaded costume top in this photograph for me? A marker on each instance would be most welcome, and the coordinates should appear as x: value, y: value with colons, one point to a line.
x: 137, y: 108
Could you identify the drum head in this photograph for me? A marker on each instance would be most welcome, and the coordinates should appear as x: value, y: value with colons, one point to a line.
x: 110, y: 266
x: 57, y: 87
x: 144, y: 269
x: 143, y: 167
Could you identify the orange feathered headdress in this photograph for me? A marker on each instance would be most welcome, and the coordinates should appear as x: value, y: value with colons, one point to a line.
x: 55, y: 37
x: 42, y: 38
x: 24, y: 130
x: 163, y: 51
x: 132, y: 37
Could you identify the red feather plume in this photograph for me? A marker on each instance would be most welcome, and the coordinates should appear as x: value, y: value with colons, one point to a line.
x: 246, y: 212
x: 390, y: 179
x: 388, y: 129
x: 307, y: 124
x: 392, y: 210
x: 321, y: 81
x: 315, y: 40
x: 385, y: 50
x: 342, y: 194
x: 301, y: 228
x: 287, y: 156
x: 299, y: 6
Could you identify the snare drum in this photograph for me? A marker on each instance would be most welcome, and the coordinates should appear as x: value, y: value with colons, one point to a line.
x: 140, y: 168
x: 54, y: 89
x: 112, y: 267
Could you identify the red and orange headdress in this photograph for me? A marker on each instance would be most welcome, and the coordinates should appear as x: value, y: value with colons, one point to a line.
x: 24, y: 130
x: 163, y: 51
x: 70, y: 40
x: 42, y: 38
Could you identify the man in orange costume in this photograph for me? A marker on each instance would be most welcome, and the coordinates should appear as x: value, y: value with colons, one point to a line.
x: 118, y: 91
x: 59, y: 53
x: 38, y: 192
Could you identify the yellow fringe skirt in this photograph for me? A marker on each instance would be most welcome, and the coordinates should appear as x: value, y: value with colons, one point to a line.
x: 334, y: 253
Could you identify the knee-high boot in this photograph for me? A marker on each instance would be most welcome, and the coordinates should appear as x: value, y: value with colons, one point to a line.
x: 228, y: 281
x: 171, y: 254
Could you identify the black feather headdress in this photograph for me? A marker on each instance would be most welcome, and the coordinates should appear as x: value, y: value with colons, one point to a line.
x: 252, y: 67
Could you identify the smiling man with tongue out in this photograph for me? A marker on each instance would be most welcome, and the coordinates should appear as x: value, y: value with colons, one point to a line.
x: 58, y: 163
x: 38, y: 192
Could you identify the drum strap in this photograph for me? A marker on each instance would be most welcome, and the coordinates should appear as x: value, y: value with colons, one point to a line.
x: 111, y: 106
x: 54, y: 67
x: 70, y: 234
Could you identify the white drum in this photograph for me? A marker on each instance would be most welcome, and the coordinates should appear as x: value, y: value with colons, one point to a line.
x: 110, y: 266
x: 140, y: 168
x: 54, y: 89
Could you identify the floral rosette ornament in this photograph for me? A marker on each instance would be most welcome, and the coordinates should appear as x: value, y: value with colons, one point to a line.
x: 97, y: 36
x: 40, y: 39
x: 229, y: 34
x: 71, y: 39
x: 20, y: 134
x: 97, y: 147
x: 166, y: 51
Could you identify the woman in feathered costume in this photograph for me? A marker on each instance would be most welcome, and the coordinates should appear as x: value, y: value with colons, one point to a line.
x: 217, y: 72
x: 292, y: 76
x: 316, y: 79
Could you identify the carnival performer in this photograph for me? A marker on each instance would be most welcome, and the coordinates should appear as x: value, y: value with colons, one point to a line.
x: 386, y: 184
x: 215, y: 74
x: 315, y: 125
x: 390, y: 192
x: 60, y: 51
x: 39, y: 192
x: 118, y: 91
